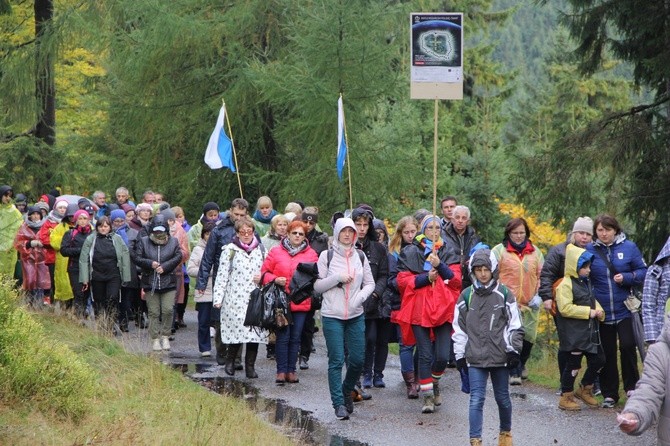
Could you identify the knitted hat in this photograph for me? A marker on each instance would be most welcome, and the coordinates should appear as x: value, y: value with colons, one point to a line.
x: 427, y: 219
x: 169, y: 214
x: 33, y: 209
x: 310, y: 216
x: 127, y: 207
x: 78, y: 214
x: 42, y: 206
x: 583, y: 224
x: 118, y: 213
x: 210, y: 206
x: 20, y: 198
x: 144, y: 207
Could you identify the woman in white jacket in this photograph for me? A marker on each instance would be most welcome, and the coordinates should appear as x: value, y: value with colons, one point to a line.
x: 346, y: 282
x: 203, y: 302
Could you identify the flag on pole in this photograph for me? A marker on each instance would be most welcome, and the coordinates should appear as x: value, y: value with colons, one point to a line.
x: 341, y: 139
x: 219, y: 151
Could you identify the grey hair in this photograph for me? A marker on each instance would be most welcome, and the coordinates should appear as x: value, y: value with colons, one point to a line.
x: 97, y: 193
x: 122, y: 189
x: 465, y: 209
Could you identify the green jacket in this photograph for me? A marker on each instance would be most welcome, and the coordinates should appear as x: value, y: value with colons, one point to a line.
x: 86, y: 257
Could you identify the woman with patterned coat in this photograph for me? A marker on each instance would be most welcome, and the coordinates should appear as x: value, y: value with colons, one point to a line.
x: 239, y: 270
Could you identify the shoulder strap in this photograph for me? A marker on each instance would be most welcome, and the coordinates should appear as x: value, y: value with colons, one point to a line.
x: 231, y: 255
x: 607, y: 261
x: 467, y: 297
x: 330, y: 256
x: 361, y: 255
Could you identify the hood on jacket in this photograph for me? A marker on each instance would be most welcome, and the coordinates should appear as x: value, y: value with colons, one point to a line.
x: 575, y: 258
x: 482, y: 256
x: 158, y: 222
x: 665, y: 252
x: 379, y: 224
x: 366, y: 213
x: 340, y: 224
x: 620, y: 238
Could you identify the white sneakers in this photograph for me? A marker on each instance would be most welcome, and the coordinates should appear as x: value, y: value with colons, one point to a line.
x: 206, y: 354
x: 165, y: 343
x: 157, y: 345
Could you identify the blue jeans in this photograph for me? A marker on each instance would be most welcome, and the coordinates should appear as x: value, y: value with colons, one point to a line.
x: 406, y: 354
x: 204, y: 310
x: 339, y: 332
x: 500, y: 381
x: 288, y: 343
x: 433, y: 357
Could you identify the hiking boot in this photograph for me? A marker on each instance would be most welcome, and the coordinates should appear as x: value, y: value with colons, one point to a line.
x: 505, y: 438
x: 412, y: 393
x: 568, y: 402
x: 341, y: 413
x: 367, y: 380
x: 428, y: 404
x: 378, y: 381
x: 156, y: 345
x: 303, y: 363
x: 436, y: 392
x: 608, y: 403
x: 514, y: 380
x: 475, y: 442
x: 165, y: 343
x: 585, y: 393
x: 524, y: 373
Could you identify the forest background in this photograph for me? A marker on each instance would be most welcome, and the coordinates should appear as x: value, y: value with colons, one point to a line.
x: 565, y: 108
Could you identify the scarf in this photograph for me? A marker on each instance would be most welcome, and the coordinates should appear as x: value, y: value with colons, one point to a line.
x: 427, y: 245
x: 520, y: 249
x: 259, y: 217
x: 55, y: 217
x: 293, y: 250
x: 34, y: 225
x: 79, y: 229
x: 247, y: 248
x: 121, y: 230
x: 160, y: 238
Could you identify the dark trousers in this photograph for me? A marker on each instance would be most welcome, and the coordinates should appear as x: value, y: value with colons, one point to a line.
x: 609, y: 376
x: 307, y: 337
x: 204, y: 310
x: 106, y: 296
x: 432, y: 362
x: 80, y: 296
x: 377, y: 334
x: 127, y: 303
x: 573, y: 362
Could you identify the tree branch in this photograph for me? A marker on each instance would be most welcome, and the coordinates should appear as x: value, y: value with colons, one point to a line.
x: 633, y: 111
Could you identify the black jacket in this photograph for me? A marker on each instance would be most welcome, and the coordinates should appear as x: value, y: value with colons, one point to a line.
x: 220, y: 236
x: 71, y: 248
x: 552, y: 270
x: 462, y: 247
x: 318, y: 241
x: 169, y: 257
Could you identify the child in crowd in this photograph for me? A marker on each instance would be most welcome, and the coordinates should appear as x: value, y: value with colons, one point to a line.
x: 488, y: 337
x: 578, y: 329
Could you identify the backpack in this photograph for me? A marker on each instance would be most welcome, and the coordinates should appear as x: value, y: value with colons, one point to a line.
x: 501, y: 287
x: 554, y: 286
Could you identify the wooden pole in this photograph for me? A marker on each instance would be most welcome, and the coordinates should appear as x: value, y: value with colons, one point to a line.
x: 346, y: 141
x: 232, y: 142
x: 435, y: 169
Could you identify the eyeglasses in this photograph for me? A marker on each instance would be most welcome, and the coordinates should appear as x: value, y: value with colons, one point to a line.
x: 247, y: 232
x: 301, y: 234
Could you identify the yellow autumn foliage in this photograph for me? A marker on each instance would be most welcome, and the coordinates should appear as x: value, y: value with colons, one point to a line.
x: 543, y: 234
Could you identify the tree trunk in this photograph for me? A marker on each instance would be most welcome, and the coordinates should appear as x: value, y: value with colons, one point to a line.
x: 45, y: 90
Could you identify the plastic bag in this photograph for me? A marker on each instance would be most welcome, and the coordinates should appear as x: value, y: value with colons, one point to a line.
x: 260, y: 310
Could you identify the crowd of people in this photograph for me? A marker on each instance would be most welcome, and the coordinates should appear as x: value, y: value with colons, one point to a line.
x: 432, y: 286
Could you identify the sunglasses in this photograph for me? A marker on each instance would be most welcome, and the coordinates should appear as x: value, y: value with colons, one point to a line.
x: 247, y: 232
x: 301, y: 234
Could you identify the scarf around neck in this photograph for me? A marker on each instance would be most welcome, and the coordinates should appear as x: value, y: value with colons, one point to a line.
x: 427, y: 245
x: 293, y: 250
x: 247, y: 248
x: 259, y: 217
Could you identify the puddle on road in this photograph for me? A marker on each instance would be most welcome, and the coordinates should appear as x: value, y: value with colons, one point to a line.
x: 295, y: 423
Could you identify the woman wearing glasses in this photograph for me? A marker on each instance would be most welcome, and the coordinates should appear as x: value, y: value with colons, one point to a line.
x: 239, y: 270
x: 520, y: 263
x: 279, y: 267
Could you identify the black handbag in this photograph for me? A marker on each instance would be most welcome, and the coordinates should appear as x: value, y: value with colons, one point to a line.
x: 261, y: 307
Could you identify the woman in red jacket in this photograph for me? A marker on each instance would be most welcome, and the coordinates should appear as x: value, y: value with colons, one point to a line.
x: 279, y: 266
x: 429, y: 280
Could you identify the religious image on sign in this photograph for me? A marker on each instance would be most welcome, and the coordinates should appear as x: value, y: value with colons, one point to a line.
x: 437, y: 47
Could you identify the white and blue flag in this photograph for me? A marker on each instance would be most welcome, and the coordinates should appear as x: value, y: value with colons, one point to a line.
x: 341, y: 139
x: 220, y: 147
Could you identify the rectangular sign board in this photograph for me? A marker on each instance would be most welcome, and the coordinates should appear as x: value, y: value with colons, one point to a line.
x: 436, y: 41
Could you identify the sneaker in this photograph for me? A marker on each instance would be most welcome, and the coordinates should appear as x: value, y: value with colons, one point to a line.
x: 341, y: 413
x: 303, y: 363
x: 514, y: 380
x: 157, y: 345
x: 378, y: 381
x: 608, y: 403
x: 367, y: 380
x: 212, y: 332
x: 206, y: 354
x: 165, y: 343
x: 524, y: 373
x: 596, y: 388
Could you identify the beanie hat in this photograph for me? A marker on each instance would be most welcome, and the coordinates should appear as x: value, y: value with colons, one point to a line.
x: 117, y: 213
x: 78, y: 214
x: 583, y: 224
x: 210, y: 206
x: 33, y: 209
x: 144, y: 207
x: 584, y: 258
x: 427, y: 219
x: 89, y: 208
x: 20, y: 198
x: 42, y: 206
x: 168, y: 214
x: 127, y: 207
x: 310, y: 216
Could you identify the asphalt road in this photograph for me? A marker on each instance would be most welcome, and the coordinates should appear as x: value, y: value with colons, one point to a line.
x: 390, y: 418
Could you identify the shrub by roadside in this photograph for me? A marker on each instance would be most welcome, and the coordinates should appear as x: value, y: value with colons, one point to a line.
x: 37, y: 368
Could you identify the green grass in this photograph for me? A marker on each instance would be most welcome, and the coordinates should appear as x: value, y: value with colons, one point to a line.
x: 137, y: 401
